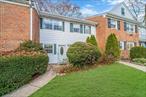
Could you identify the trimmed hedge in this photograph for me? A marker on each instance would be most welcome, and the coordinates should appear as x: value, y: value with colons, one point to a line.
x: 138, y: 52
x: 18, y: 70
x: 81, y: 54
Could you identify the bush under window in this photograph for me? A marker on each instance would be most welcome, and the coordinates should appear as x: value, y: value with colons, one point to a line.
x: 138, y: 52
x: 80, y: 54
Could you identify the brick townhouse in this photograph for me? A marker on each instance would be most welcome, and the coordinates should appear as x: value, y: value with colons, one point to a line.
x: 18, y: 22
x: 122, y: 23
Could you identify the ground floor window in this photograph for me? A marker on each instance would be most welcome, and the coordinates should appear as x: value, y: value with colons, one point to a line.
x: 129, y: 45
x: 48, y: 48
x: 122, y: 45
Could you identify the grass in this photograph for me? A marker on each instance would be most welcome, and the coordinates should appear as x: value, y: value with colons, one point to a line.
x: 114, y: 80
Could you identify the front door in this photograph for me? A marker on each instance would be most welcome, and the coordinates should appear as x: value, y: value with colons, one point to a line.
x: 62, y: 54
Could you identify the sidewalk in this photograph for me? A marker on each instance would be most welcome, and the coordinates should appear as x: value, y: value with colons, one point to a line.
x: 139, y: 67
x: 33, y: 86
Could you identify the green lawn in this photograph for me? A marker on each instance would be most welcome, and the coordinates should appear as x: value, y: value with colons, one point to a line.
x: 114, y: 80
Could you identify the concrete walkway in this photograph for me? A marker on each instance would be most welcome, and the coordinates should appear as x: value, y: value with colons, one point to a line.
x: 139, y: 67
x: 33, y: 86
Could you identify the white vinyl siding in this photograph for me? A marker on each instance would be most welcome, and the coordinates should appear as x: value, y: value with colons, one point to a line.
x: 48, y: 36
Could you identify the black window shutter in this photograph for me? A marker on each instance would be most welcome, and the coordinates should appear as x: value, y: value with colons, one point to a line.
x: 136, y: 29
x: 90, y: 29
x: 125, y: 43
x: 118, y: 22
x: 63, y: 27
x: 135, y: 44
x: 125, y: 26
x: 71, y: 27
x: 81, y: 28
x: 41, y: 23
x: 109, y: 23
x: 54, y: 49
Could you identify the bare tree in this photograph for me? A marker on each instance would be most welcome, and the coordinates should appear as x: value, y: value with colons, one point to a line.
x: 138, y: 7
x: 61, y: 7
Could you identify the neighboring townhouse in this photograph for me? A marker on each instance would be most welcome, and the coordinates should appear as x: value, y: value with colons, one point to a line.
x: 19, y: 21
x: 142, y: 35
x: 122, y: 23
x: 58, y: 32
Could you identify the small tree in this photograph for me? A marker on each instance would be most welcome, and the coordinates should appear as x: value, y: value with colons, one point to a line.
x: 112, y: 48
x: 92, y: 40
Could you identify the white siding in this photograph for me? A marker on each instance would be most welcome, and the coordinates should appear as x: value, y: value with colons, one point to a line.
x: 142, y: 34
x: 62, y: 38
x: 117, y: 11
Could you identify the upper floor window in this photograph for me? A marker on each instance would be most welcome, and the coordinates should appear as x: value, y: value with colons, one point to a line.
x: 112, y: 23
x: 123, y: 11
x: 128, y: 27
x: 76, y: 28
x: 52, y: 24
x: 87, y: 29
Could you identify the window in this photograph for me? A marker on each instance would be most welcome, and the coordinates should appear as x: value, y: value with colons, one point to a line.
x: 129, y: 45
x: 122, y: 11
x: 47, y: 24
x: 121, y: 45
x: 87, y: 29
x: 52, y: 24
x: 128, y: 27
x: 112, y: 23
x: 75, y: 27
x: 58, y: 25
x: 48, y: 48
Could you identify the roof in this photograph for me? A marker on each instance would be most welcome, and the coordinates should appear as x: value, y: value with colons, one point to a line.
x: 56, y: 16
x: 108, y: 12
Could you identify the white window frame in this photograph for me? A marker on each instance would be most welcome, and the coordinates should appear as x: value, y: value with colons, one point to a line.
x: 47, y: 50
x: 87, y: 31
x: 122, y: 45
x: 75, y: 27
x: 54, y: 23
x: 129, y: 45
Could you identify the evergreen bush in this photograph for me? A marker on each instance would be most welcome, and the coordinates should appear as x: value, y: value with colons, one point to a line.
x: 112, y: 50
x: 81, y: 54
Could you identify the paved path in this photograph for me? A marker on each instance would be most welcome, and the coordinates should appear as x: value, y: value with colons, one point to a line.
x: 33, y: 86
x: 139, y: 67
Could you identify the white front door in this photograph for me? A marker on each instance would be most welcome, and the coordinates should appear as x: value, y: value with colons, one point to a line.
x: 62, y: 54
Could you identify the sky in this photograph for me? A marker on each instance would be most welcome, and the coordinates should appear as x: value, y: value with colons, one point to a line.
x: 93, y: 7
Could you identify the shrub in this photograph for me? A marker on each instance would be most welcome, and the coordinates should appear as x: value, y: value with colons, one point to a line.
x: 92, y: 40
x: 16, y: 70
x: 141, y: 61
x: 138, y: 52
x: 112, y: 51
x: 30, y: 46
x: 81, y: 54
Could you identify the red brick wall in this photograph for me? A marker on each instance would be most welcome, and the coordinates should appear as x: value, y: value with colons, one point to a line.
x: 102, y: 32
x: 15, y: 25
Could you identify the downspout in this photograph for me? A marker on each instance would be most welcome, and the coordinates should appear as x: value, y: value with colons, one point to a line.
x: 31, y: 19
